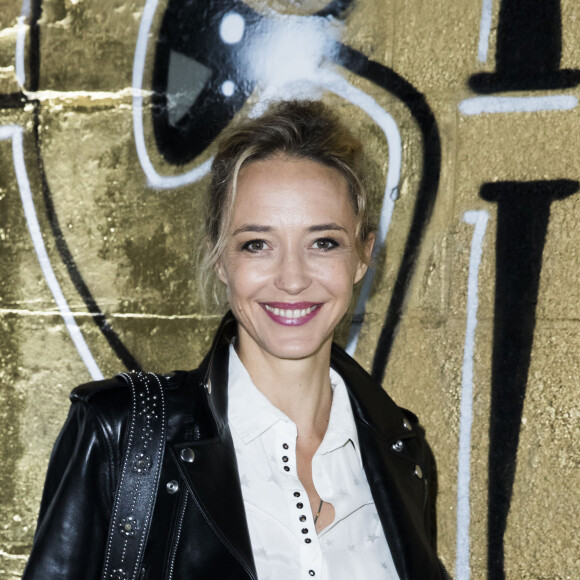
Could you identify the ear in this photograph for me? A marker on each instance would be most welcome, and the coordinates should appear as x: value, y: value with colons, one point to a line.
x: 221, y: 272
x: 363, y: 266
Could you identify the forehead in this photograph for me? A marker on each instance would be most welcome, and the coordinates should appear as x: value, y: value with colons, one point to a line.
x: 281, y: 191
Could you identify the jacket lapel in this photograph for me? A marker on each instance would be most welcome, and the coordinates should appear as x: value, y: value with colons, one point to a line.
x: 390, y: 474
x: 211, y: 471
x: 213, y: 482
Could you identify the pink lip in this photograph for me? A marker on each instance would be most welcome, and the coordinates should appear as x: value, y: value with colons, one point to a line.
x: 283, y: 320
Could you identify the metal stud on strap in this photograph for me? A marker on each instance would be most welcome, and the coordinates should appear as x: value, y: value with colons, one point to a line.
x: 139, y: 479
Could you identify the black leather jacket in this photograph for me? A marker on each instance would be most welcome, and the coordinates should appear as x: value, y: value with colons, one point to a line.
x: 200, y: 531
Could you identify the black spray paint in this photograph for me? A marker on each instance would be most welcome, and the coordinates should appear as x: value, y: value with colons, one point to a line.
x: 426, y: 194
x: 99, y: 318
x: 523, y: 212
x: 528, y: 54
x: 528, y: 50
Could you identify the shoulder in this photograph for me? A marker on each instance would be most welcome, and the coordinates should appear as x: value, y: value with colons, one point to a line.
x: 108, y: 400
x: 111, y: 400
x: 87, y: 392
x: 118, y: 388
x: 103, y: 410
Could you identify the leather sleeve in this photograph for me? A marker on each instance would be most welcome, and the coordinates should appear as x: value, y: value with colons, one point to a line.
x: 77, y: 501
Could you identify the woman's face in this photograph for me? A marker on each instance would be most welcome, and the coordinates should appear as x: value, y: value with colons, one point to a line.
x: 290, y: 261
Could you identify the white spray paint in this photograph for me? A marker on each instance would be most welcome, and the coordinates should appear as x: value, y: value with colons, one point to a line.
x: 154, y: 178
x: 296, y: 63
x: 480, y: 105
x: 478, y: 219
x: 287, y: 49
x: 22, y: 28
x: 228, y: 88
x: 484, y: 30
x: 339, y: 85
x: 15, y: 132
x: 232, y: 28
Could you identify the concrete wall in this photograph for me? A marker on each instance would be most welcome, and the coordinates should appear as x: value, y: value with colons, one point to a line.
x: 470, y: 112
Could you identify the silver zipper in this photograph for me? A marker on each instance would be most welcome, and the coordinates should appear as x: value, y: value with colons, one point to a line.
x: 177, y: 536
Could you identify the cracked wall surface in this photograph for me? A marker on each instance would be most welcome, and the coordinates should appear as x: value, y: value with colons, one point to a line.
x: 473, y: 318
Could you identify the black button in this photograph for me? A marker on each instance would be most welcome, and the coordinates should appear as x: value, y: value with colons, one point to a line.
x: 296, y: 494
x: 286, y: 468
x: 307, y: 541
x: 302, y: 518
x: 285, y: 459
x: 311, y: 572
x: 285, y: 446
x: 304, y: 530
x: 299, y: 505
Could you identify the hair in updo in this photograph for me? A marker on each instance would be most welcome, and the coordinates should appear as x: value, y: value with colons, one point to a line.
x: 296, y: 130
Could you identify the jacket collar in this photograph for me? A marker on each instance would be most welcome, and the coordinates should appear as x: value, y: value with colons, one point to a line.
x: 370, y: 405
x: 214, y: 370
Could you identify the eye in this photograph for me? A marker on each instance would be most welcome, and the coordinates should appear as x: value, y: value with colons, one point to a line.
x: 254, y: 246
x: 325, y: 244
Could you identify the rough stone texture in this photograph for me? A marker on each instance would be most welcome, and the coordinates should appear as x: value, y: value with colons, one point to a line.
x: 135, y: 245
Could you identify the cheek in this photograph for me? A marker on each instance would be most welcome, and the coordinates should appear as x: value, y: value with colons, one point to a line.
x: 228, y: 269
x: 243, y: 279
x: 340, y: 278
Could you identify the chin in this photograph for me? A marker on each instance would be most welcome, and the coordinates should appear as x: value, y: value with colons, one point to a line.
x: 296, y: 349
x: 287, y: 342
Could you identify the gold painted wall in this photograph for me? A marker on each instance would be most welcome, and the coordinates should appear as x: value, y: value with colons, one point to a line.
x: 99, y: 219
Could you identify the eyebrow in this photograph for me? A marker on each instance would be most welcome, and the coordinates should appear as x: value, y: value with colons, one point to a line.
x: 252, y: 228
x: 263, y: 229
x: 327, y: 227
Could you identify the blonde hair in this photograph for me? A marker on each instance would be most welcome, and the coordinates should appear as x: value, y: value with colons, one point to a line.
x: 295, y: 129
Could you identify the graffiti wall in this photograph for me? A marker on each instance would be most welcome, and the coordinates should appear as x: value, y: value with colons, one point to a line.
x: 471, y: 314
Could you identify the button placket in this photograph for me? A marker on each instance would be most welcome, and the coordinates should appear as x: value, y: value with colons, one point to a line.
x: 285, y: 452
x: 306, y: 527
x: 285, y: 456
x: 311, y: 559
x: 302, y: 509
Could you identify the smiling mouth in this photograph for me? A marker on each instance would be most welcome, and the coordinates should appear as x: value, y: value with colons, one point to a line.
x: 297, y: 316
x: 291, y: 313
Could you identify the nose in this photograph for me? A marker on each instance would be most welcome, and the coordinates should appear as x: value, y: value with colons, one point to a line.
x: 292, y: 274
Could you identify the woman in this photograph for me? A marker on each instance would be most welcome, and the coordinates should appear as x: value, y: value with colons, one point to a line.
x: 283, y: 458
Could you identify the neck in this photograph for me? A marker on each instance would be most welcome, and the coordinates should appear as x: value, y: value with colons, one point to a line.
x: 300, y: 388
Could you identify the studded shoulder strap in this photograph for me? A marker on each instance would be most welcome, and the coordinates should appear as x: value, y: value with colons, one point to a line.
x: 139, y: 479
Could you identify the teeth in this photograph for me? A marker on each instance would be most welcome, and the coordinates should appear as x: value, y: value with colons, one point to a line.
x: 298, y: 313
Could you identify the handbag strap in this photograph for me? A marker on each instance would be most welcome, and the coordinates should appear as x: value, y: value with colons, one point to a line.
x: 139, y: 479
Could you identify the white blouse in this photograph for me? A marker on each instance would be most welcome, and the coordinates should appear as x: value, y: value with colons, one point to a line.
x: 284, y: 541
